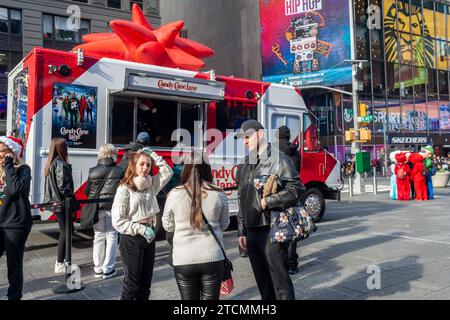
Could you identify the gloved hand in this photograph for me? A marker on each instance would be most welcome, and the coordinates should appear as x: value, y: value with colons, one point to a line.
x: 149, y: 234
x: 147, y: 150
x: 428, y: 163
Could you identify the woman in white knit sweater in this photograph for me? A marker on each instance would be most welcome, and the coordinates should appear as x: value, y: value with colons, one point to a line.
x: 197, y: 258
x: 134, y: 217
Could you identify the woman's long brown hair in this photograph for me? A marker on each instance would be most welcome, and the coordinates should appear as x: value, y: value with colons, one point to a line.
x: 131, y: 170
x: 194, y: 178
x: 58, y: 148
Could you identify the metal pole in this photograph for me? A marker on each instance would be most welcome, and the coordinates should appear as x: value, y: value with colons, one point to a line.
x: 359, y: 186
x: 374, y: 180
x: 335, y: 147
x: 385, y: 148
x: 350, y: 186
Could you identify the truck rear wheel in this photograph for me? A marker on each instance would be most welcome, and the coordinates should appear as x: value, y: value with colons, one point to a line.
x: 314, y: 203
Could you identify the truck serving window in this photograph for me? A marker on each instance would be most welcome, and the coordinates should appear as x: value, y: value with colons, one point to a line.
x: 122, y: 120
x: 160, y: 118
x: 231, y: 114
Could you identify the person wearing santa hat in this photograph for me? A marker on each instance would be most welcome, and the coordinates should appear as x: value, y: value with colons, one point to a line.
x: 15, y: 212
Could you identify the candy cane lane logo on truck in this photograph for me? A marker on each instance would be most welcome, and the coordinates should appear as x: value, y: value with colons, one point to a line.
x: 178, y: 86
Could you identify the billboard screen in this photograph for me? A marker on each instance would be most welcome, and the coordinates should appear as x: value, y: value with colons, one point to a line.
x: 306, y: 42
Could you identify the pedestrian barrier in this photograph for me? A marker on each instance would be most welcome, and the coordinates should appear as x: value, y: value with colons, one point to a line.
x: 68, y: 287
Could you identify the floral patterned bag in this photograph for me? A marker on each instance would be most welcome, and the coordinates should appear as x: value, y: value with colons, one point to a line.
x: 286, y: 224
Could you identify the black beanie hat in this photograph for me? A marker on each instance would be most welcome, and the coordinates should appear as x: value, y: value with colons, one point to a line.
x: 284, y: 133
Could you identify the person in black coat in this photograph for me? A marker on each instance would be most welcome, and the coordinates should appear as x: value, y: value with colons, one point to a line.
x: 105, y: 236
x: 15, y: 213
x: 283, y: 138
x: 58, y: 187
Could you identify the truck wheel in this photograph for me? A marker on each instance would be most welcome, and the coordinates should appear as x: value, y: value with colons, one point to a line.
x: 314, y: 203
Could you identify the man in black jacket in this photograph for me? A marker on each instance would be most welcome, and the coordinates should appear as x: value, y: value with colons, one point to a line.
x: 283, y: 138
x: 269, y: 261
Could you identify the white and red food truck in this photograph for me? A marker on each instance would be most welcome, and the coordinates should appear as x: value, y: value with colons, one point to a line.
x: 122, y: 98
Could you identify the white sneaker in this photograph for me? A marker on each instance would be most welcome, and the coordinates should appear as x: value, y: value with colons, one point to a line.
x: 60, y: 267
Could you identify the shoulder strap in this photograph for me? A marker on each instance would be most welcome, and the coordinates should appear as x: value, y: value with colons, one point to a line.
x: 100, y: 187
x: 214, y: 235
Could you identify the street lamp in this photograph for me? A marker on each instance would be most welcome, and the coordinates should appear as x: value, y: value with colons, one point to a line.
x: 356, y: 146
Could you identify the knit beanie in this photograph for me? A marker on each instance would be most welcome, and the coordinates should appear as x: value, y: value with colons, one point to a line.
x: 284, y: 133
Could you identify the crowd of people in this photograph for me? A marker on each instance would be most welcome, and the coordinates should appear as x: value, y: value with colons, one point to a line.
x: 412, y: 174
x: 193, y: 203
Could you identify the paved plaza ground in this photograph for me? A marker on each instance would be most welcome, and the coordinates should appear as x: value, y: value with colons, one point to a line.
x: 408, y: 241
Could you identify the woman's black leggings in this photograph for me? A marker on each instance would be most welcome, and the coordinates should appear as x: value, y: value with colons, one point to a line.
x: 200, y: 281
x: 61, y: 218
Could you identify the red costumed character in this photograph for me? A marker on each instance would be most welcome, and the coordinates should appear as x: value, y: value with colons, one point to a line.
x: 402, y: 172
x: 418, y: 177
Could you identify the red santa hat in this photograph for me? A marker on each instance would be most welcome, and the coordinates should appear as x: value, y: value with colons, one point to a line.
x: 13, y: 144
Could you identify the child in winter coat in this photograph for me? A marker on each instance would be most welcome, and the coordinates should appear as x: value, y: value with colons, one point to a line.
x: 417, y: 175
x: 402, y: 173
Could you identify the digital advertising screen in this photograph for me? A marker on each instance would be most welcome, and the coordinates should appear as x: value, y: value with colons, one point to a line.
x: 306, y: 42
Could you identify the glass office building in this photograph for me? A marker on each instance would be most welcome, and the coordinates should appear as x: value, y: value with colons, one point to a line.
x: 405, y: 82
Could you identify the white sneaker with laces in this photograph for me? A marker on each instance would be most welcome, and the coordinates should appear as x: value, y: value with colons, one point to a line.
x: 59, y: 267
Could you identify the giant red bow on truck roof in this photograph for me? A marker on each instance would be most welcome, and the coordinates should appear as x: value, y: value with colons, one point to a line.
x: 138, y: 41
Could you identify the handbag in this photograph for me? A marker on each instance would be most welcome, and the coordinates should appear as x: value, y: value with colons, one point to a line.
x: 89, y: 214
x: 288, y: 224
x: 227, y: 285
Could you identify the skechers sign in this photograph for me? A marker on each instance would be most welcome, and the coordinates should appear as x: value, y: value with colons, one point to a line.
x: 408, y: 140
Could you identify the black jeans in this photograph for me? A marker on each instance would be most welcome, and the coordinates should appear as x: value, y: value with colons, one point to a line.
x: 12, y: 241
x: 200, y: 281
x: 138, y: 257
x: 293, y: 256
x: 270, y: 265
x: 61, y: 218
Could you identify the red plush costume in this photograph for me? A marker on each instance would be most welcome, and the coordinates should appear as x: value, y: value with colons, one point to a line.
x: 417, y: 176
x: 402, y: 171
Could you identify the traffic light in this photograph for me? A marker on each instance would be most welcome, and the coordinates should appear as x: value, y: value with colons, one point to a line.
x: 365, y: 135
x: 363, y: 108
x: 350, y: 135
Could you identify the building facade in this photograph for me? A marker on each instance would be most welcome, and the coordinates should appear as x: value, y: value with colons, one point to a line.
x: 25, y: 24
x: 405, y: 82
x: 230, y: 27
